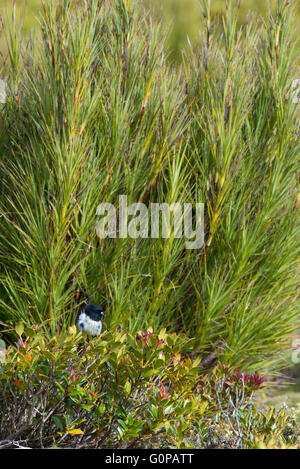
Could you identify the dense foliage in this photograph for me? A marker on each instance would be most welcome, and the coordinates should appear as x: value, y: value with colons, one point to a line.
x: 122, y: 391
x: 94, y: 111
x: 105, y: 393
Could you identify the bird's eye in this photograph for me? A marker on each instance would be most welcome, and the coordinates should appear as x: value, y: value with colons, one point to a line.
x: 81, y: 325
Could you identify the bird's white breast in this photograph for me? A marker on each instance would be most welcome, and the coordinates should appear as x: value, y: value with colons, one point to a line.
x: 86, y: 324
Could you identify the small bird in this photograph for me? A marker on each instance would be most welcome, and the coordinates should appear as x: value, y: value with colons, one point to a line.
x: 90, y: 320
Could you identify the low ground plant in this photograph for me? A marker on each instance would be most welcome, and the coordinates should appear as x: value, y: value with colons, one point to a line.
x: 121, y: 391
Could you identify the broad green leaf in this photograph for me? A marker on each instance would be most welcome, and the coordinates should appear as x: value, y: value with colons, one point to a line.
x: 19, y: 328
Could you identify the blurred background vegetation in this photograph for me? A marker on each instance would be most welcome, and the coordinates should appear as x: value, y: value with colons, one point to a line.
x: 181, y: 17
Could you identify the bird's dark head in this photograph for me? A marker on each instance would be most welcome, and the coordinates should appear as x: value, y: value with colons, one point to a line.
x: 94, y: 312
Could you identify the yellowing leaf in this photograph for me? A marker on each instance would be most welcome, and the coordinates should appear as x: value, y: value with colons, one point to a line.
x: 176, y: 358
x: 72, y: 330
x: 127, y: 387
x: 75, y: 431
x: 162, y: 334
x: 20, y: 328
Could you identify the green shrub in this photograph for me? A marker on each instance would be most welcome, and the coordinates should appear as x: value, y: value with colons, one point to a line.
x: 96, y: 112
x: 122, y: 391
x: 244, y: 151
x: 115, y: 391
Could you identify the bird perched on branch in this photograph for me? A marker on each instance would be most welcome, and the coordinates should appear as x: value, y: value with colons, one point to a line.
x: 90, y: 320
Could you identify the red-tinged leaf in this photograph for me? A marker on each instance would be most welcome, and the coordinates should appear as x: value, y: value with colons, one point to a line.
x: 72, y: 376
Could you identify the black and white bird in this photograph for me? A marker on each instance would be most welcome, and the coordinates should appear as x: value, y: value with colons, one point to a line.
x: 90, y: 320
